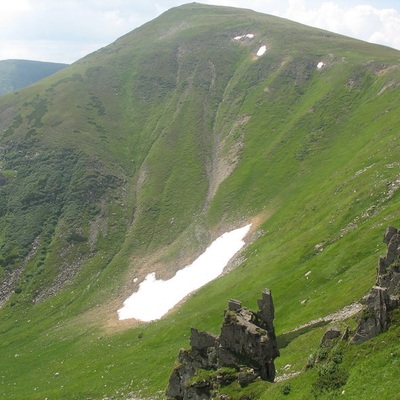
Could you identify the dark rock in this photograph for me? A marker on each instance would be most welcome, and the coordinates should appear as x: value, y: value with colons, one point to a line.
x: 390, y: 231
x: 384, y: 296
x: 198, y: 392
x: 374, y: 319
x: 180, y: 375
x: 247, y: 344
x: 329, y: 335
x: 243, y: 337
x: 201, y: 340
x: 247, y: 377
x: 346, y: 334
x: 267, y: 311
x: 234, y: 305
x: 393, y: 248
x: 382, y: 266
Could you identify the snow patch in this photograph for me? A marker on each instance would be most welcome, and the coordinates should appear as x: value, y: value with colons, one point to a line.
x: 248, y: 36
x: 156, y: 297
x: 261, y: 51
x: 320, y: 65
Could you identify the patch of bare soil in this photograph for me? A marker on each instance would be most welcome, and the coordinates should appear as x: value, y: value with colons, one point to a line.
x: 341, y: 315
x: 157, y: 262
x: 226, y: 155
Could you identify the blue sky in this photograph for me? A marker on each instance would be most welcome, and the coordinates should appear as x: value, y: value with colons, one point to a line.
x: 66, y: 30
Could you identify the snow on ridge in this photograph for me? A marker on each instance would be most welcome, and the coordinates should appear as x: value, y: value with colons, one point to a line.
x: 156, y: 297
x: 248, y: 36
x: 260, y: 51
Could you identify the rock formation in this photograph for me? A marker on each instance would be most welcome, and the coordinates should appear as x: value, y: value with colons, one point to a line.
x: 244, y: 351
x: 384, y: 296
x: 330, y: 335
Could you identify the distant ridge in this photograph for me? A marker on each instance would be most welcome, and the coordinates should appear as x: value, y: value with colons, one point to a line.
x: 16, y: 74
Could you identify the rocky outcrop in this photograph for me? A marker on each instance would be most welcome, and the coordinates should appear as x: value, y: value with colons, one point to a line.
x: 244, y: 352
x: 330, y: 335
x: 384, y: 296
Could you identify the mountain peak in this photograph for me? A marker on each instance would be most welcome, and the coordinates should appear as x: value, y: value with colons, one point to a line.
x: 133, y: 160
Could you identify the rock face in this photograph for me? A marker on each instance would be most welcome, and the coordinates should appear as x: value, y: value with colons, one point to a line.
x: 246, y: 347
x: 384, y: 296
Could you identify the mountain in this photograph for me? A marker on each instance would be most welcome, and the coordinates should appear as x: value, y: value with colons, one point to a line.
x: 133, y: 159
x: 16, y: 74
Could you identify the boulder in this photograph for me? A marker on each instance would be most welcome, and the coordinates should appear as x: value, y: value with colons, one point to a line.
x: 330, y: 334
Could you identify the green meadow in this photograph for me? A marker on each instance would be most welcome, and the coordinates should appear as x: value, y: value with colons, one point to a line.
x: 136, y: 157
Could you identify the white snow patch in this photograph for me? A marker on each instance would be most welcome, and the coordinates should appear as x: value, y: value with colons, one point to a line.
x: 261, y: 51
x: 156, y: 297
x: 320, y: 65
x: 248, y: 36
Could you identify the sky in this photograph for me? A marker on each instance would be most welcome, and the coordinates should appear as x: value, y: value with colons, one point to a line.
x: 67, y: 30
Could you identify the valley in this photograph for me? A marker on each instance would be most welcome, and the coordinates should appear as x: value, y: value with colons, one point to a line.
x: 136, y: 158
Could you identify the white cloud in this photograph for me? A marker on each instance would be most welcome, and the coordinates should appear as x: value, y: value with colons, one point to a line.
x: 9, y: 10
x: 364, y: 22
x: 64, y: 31
x: 374, y: 25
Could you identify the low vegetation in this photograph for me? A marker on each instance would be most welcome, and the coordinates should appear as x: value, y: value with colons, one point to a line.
x: 106, y: 171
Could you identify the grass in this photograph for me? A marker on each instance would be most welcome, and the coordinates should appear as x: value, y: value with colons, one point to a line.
x: 108, y: 166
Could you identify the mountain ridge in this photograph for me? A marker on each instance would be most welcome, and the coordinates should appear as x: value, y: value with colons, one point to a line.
x: 17, y: 74
x: 134, y: 158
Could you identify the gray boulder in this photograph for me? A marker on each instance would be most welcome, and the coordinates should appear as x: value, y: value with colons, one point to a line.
x: 330, y: 334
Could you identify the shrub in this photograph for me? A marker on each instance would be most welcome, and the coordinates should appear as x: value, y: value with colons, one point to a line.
x: 286, y: 388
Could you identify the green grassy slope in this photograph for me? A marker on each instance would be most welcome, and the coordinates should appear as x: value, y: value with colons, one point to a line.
x: 16, y: 74
x: 138, y: 155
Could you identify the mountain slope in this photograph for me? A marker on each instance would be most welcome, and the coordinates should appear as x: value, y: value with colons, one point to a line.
x: 134, y: 158
x: 16, y: 74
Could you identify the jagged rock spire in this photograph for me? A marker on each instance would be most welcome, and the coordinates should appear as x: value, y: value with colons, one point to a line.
x: 247, y: 343
x: 384, y: 296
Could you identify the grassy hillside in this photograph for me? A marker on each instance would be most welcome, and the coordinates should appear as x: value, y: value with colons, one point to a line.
x: 134, y: 158
x: 16, y: 74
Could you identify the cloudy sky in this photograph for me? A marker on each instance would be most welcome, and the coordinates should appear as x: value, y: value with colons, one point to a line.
x: 66, y: 30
